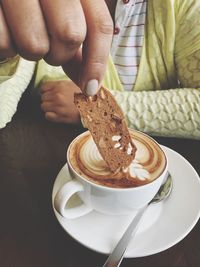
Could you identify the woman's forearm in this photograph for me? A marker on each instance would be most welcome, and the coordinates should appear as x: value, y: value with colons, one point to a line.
x: 12, y: 89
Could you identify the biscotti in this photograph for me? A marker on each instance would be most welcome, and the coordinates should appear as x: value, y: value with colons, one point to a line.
x: 105, y: 120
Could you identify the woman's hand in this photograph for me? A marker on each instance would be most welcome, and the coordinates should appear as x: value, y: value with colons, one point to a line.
x: 74, y: 34
x: 57, y: 101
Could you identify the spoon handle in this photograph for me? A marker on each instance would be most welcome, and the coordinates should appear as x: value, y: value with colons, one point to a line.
x: 117, y: 254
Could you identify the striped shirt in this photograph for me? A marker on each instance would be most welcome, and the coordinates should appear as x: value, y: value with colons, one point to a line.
x: 128, y: 39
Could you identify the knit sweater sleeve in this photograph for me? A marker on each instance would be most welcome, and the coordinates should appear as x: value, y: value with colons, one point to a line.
x: 12, y: 89
x: 8, y: 68
x: 172, y: 113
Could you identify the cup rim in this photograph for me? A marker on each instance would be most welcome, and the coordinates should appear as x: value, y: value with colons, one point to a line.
x: 103, y: 187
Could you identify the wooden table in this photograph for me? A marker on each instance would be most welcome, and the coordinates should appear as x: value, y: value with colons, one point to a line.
x: 32, y: 151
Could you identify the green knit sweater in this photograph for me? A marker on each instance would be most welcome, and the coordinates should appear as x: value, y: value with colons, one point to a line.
x: 165, y: 100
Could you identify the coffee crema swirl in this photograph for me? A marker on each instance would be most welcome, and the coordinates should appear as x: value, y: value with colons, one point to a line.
x: 148, y: 164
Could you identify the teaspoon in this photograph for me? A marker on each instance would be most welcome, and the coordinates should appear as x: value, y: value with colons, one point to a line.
x: 116, y: 257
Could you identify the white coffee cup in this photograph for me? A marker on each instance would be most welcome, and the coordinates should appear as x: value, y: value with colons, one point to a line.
x: 107, y: 199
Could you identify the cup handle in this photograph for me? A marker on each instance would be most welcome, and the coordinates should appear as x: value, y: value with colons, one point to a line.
x: 63, y: 196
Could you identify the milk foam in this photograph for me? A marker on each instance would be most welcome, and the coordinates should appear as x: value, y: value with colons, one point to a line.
x: 93, y: 161
x: 148, y: 164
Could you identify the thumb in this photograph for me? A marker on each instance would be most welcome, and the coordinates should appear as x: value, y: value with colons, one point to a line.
x: 88, y: 66
x: 96, y: 47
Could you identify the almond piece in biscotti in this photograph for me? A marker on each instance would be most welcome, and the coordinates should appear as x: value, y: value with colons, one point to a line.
x: 105, y: 120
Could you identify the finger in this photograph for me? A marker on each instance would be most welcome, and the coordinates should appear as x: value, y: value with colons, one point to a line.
x: 47, y: 96
x: 55, y: 92
x: 6, y: 45
x: 87, y: 70
x: 27, y: 26
x: 67, y: 28
x: 49, y: 106
x: 47, y: 86
x: 97, y: 45
x: 52, y: 116
x: 54, y: 99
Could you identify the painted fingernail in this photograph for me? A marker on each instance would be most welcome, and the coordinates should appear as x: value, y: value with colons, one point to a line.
x: 92, y: 87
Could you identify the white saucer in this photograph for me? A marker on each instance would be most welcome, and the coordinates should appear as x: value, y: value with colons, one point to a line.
x: 163, y: 224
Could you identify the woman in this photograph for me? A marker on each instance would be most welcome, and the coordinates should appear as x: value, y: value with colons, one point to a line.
x: 153, y: 70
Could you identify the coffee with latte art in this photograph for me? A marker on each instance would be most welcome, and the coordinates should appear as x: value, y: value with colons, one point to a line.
x: 148, y: 164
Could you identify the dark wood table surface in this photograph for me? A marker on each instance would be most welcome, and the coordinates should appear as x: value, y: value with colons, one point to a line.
x: 32, y: 152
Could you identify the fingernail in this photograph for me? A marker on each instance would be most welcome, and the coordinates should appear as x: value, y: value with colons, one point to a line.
x: 92, y: 87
